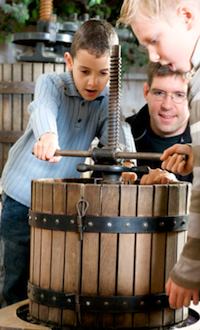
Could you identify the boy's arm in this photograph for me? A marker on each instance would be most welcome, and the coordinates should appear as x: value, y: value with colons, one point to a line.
x: 44, y: 108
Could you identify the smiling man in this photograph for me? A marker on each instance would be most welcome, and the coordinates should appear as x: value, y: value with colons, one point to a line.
x: 164, y: 120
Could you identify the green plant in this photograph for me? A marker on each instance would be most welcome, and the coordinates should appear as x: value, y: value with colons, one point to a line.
x: 108, y: 9
x: 13, y: 17
x: 16, y: 15
x: 132, y: 55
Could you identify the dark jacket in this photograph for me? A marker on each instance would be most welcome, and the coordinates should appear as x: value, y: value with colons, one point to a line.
x: 147, y: 141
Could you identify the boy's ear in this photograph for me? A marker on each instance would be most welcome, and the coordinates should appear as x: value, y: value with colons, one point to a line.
x: 146, y: 89
x: 68, y: 60
x: 187, y: 13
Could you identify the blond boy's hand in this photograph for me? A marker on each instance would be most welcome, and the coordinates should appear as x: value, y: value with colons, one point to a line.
x: 179, y: 296
x: 158, y: 176
x: 45, y: 147
x: 178, y: 159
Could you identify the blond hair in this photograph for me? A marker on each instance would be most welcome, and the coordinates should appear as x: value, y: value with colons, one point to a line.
x: 149, y: 8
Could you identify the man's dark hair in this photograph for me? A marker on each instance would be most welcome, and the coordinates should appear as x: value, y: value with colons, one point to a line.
x: 158, y: 70
x: 95, y: 36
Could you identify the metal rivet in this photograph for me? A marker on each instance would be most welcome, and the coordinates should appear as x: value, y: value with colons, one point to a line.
x: 124, y: 303
x: 69, y: 300
x: 88, y: 303
x: 90, y: 223
x: 161, y: 224
x: 54, y: 298
x: 44, y: 220
x: 158, y: 302
x: 42, y: 296
x: 106, y: 303
x: 29, y: 217
x: 145, y: 224
x: 109, y: 224
x: 57, y: 221
x: 128, y: 224
x: 174, y: 222
x: 72, y: 221
x: 35, y: 218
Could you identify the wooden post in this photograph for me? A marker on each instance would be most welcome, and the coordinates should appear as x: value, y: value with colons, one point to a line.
x: 17, y: 82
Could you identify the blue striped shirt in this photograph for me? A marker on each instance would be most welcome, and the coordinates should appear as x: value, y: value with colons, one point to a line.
x: 57, y: 107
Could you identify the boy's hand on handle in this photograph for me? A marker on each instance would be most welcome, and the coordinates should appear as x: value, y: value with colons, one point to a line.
x: 178, y: 159
x: 179, y: 296
x: 45, y: 147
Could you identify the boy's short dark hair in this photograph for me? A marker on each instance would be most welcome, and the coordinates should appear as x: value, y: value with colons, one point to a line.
x: 96, y: 36
x: 158, y: 70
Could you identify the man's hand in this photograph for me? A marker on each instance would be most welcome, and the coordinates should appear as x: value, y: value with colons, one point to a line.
x: 179, y: 296
x: 45, y: 147
x: 178, y: 159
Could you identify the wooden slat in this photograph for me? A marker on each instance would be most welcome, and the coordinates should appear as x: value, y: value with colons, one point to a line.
x: 10, y: 136
x: 46, y: 243
x: 181, y: 208
x: 157, y: 279
x: 6, y: 110
x: 58, y: 250
x: 177, y: 205
x: 36, y: 241
x: 17, y: 100
x: 143, y: 251
x: 17, y: 87
x: 72, y: 252
x: 108, y: 248
x: 126, y: 253
x: 90, y: 255
x: 27, y: 76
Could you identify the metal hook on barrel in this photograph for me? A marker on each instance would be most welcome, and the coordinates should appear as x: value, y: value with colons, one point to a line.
x: 81, y: 207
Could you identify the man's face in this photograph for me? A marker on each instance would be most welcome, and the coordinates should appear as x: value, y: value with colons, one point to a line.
x: 90, y: 73
x: 167, y: 117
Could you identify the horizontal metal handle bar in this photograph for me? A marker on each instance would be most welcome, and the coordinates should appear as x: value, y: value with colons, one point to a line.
x: 116, y: 155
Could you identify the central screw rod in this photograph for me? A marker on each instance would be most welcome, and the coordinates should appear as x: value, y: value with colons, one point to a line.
x: 114, y: 98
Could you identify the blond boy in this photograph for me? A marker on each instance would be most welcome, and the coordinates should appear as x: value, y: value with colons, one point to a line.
x: 170, y: 31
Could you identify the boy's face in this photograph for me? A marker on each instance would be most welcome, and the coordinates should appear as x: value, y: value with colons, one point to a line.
x: 90, y: 73
x: 170, y: 43
x: 167, y: 117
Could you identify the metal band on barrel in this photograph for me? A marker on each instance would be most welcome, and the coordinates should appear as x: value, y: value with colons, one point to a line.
x: 109, y: 304
x: 103, y: 224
